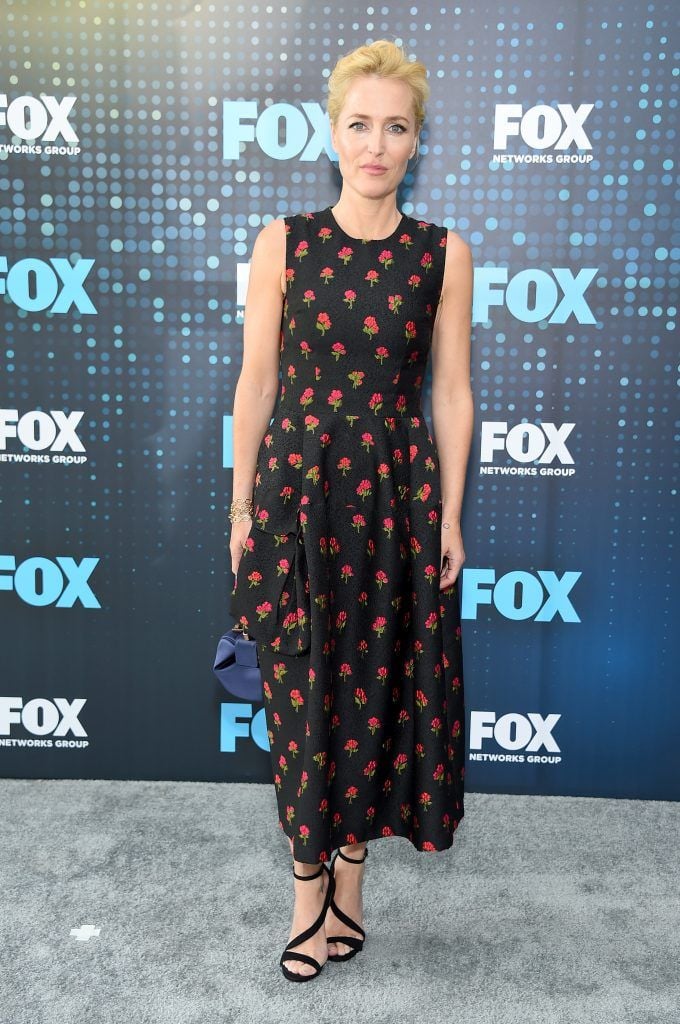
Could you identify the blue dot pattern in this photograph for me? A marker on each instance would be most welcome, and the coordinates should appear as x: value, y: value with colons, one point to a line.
x: 146, y: 192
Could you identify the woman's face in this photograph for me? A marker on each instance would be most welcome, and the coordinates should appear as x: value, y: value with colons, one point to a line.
x: 375, y: 134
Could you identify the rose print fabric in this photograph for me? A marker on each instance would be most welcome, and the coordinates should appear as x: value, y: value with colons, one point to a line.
x: 360, y: 651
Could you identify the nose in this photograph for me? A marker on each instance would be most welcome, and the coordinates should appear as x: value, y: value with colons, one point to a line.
x: 375, y: 141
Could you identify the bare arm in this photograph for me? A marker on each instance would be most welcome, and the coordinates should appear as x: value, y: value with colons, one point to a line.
x: 452, y: 402
x: 258, y: 383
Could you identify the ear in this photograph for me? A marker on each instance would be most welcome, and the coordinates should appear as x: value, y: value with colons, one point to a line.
x: 416, y: 144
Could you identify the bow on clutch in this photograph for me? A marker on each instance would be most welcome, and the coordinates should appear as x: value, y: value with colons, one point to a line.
x: 236, y: 666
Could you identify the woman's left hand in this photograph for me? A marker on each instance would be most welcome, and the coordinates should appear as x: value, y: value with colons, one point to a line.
x: 453, y: 555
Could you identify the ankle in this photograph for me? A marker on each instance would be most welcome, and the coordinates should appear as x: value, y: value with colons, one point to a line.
x: 308, y: 882
x: 306, y: 871
x: 356, y: 851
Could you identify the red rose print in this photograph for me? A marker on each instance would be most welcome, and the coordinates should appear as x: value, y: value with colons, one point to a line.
x: 323, y: 322
x: 296, y: 699
x: 379, y: 625
x: 370, y: 326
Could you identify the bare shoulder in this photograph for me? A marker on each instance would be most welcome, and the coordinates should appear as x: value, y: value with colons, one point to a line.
x: 458, y: 278
x: 271, y: 239
x: 458, y: 269
x: 457, y: 249
x: 268, y: 263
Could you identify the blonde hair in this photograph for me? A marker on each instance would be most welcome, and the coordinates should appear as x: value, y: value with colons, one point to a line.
x: 385, y: 59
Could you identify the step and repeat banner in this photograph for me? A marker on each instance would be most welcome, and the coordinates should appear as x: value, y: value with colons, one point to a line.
x: 142, y: 147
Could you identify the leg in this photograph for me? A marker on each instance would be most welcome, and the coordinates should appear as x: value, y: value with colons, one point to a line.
x: 348, y: 896
x: 286, y: 729
x: 310, y: 894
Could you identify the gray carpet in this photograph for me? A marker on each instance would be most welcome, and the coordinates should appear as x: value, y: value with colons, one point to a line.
x: 547, y: 909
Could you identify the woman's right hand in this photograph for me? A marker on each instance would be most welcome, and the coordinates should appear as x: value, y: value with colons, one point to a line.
x: 237, y: 541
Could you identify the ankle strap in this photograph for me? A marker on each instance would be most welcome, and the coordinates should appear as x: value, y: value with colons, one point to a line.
x: 353, y: 860
x: 306, y: 878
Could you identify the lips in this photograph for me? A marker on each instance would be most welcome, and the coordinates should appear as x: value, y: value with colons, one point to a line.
x: 373, y: 168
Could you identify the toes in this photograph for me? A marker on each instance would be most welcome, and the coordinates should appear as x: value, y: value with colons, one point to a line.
x: 300, y: 967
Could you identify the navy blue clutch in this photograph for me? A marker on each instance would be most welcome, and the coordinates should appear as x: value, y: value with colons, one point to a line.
x: 237, y: 667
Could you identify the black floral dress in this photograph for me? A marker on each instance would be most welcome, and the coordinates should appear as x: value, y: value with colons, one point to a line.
x: 360, y: 650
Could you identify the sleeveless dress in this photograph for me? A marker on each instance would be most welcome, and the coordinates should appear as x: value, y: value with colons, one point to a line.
x: 360, y: 651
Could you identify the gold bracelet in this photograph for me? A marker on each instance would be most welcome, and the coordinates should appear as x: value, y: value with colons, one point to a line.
x: 241, y: 508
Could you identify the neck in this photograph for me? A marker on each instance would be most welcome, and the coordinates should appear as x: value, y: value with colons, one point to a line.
x: 367, y: 218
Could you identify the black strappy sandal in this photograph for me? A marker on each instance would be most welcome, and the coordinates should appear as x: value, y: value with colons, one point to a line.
x: 289, y: 953
x: 354, y: 941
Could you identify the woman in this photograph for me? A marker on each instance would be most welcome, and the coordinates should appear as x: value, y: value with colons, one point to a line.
x: 346, y: 540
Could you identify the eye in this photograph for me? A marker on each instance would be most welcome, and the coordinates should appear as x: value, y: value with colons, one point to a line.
x: 400, y: 129
x: 357, y: 124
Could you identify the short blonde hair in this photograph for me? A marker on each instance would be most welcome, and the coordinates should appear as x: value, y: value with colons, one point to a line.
x: 385, y: 59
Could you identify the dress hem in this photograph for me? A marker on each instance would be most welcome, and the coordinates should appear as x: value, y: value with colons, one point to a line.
x: 371, y: 836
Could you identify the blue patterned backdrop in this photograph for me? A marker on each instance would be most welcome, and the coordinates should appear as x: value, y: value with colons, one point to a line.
x: 142, y: 147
